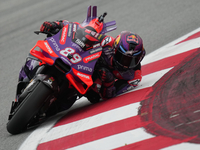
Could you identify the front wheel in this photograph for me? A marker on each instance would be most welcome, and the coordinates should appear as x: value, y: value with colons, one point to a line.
x: 38, y: 94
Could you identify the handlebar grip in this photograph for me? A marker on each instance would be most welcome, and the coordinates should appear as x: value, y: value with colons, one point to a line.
x: 102, y: 17
x: 104, y: 14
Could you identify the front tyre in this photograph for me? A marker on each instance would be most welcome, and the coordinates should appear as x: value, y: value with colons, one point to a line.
x: 38, y: 94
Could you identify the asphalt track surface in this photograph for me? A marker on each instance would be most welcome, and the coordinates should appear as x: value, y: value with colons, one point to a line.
x: 157, y: 22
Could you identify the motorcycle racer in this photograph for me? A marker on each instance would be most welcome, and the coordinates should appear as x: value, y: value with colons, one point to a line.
x: 119, y: 68
x: 74, y: 60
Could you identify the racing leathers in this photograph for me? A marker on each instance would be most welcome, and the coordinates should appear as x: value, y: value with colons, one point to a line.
x: 115, y: 80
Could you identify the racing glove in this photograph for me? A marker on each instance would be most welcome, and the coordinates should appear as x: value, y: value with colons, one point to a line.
x: 108, y: 89
x: 52, y: 27
x: 96, y: 85
x: 105, y: 75
x: 137, y: 78
x: 94, y: 94
x: 108, y: 92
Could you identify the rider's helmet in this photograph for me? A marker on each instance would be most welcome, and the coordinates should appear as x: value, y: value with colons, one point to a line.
x: 129, y: 50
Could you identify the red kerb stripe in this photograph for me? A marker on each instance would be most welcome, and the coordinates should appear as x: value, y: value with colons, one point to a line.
x: 104, y: 106
x: 93, y: 134
x: 194, y: 36
x: 153, y: 143
x: 165, y: 63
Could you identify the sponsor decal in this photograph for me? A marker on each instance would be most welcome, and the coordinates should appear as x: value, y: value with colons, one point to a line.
x: 69, y: 30
x: 48, y: 47
x: 106, y: 41
x: 77, y: 47
x: 132, y: 39
x: 83, y: 75
x: 54, y: 44
x: 85, y: 68
x: 93, y: 33
x: 63, y: 36
x: 99, y: 37
x: 80, y: 43
x: 91, y: 57
x: 95, y: 50
x: 96, y: 35
x: 74, y: 27
x: 87, y: 31
x: 86, y: 78
x: 96, y: 45
x: 97, y: 22
x: 74, y: 30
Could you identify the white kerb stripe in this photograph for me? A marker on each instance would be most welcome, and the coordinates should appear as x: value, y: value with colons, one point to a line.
x: 115, y: 141
x: 183, y: 146
x: 150, y: 79
x: 92, y: 122
x: 171, y: 51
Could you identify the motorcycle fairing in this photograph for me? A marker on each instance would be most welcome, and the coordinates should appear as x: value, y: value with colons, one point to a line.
x: 62, y: 46
x: 45, y: 47
x: 87, y: 79
x: 70, y: 48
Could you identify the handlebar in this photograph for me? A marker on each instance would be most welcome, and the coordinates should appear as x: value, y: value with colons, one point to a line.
x: 101, y: 18
x: 49, y: 34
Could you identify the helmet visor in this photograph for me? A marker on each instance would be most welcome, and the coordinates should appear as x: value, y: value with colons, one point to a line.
x: 126, y: 61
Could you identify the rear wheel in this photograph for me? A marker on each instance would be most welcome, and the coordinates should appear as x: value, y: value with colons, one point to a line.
x: 37, y: 94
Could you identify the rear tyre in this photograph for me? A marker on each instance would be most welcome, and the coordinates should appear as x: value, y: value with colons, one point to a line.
x: 38, y: 94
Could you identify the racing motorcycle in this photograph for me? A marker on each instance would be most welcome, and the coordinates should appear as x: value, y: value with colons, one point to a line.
x: 58, y: 69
